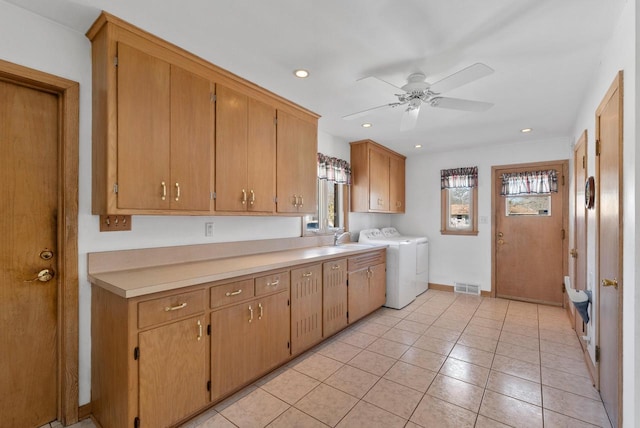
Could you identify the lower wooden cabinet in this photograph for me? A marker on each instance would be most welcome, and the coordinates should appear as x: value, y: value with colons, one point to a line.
x: 247, y: 340
x: 306, y: 307
x: 173, y: 372
x: 367, y: 284
x: 334, y: 296
x: 161, y: 358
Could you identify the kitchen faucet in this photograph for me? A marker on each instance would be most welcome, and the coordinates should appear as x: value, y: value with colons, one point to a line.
x: 338, y: 236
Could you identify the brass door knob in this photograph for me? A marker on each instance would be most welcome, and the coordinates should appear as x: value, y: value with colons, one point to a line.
x: 45, y: 275
x: 609, y: 283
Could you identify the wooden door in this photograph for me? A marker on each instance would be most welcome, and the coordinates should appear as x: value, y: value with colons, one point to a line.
x: 232, y: 353
x: 306, y: 307
x: 609, y: 204
x: 261, y: 157
x: 378, y: 180
x: 396, y: 184
x: 28, y: 320
x: 530, y: 248
x: 192, y: 130
x: 172, y: 372
x: 579, y: 250
x: 144, y: 122
x: 296, y: 164
x: 231, y: 150
x: 377, y: 286
x: 334, y: 296
x: 272, y: 346
x: 358, y: 294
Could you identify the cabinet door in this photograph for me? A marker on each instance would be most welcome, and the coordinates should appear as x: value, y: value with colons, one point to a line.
x: 306, y: 307
x: 296, y: 164
x: 334, y: 296
x: 273, y: 331
x: 231, y: 150
x: 261, y: 169
x: 378, y: 181
x: 396, y: 184
x: 358, y: 294
x: 377, y: 286
x: 191, y: 140
x: 172, y: 372
x: 233, y: 356
x: 143, y: 130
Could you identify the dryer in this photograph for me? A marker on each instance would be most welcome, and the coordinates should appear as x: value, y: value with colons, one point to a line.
x: 401, y: 267
x: 422, y: 256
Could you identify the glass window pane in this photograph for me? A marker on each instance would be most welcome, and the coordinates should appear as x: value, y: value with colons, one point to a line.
x: 528, y: 206
x: 459, y: 210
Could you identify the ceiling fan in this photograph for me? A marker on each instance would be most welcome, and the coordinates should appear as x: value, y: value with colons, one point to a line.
x: 418, y: 91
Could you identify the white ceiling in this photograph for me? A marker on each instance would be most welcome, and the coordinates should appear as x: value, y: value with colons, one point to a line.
x: 543, y: 53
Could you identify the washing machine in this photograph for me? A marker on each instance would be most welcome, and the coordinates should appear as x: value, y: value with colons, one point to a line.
x: 401, y: 267
x: 422, y: 256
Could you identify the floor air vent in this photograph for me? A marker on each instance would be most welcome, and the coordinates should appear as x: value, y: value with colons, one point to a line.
x: 461, y: 287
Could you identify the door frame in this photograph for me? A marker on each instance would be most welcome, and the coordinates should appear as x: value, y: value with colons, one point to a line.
x: 67, y: 92
x: 565, y: 212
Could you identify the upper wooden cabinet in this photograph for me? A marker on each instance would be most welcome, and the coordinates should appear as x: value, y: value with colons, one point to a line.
x: 245, y: 153
x: 158, y: 147
x: 378, y: 178
x: 297, y: 148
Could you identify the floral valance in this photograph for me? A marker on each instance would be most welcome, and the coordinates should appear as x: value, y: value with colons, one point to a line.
x: 333, y: 169
x: 459, y: 177
x: 530, y: 183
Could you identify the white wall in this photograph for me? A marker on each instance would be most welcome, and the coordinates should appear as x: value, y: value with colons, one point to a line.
x: 423, y: 206
x: 620, y: 54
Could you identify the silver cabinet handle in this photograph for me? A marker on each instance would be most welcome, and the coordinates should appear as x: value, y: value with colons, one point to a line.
x: 233, y: 293
x: 274, y: 283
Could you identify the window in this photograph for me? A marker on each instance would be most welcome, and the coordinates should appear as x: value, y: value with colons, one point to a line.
x: 459, y: 192
x: 334, y: 176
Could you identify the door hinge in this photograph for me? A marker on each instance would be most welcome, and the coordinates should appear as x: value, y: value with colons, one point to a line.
x: 598, y: 147
x: 275, y: 120
x: 275, y: 199
x: 562, y: 287
x: 563, y: 180
x: 347, y: 282
x: 115, y: 61
x: 208, y: 385
x: 584, y: 162
x: 563, y: 234
x: 597, y: 354
x: 212, y: 195
x: 136, y: 353
x: 288, y: 302
x: 115, y: 188
x: 209, y: 330
x: 213, y: 97
x: 347, y: 314
x: 288, y: 345
x: 136, y: 422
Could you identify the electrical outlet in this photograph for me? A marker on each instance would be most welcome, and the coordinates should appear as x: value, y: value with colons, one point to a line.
x: 208, y: 229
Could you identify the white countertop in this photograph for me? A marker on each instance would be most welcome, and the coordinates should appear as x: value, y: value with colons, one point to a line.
x: 139, y: 282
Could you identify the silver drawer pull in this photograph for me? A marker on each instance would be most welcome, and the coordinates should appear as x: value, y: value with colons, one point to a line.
x: 274, y: 283
x: 307, y: 274
x: 233, y: 293
x: 175, y: 308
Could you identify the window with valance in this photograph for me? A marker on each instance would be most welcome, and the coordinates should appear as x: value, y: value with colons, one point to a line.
x: 333, y: 169
x: 459, y: 193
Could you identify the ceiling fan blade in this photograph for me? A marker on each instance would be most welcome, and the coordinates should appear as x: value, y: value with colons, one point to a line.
x: 377, y: 84
x: 462, y: 77
x: 409, y: 119
x: 459, y: 104
x: 368, y: 111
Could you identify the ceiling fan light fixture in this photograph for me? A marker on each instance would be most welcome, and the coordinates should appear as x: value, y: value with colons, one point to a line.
x: 301, y: 73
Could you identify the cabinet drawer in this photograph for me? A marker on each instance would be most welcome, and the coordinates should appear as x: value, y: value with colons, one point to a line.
x: 271, y: 283
x: 366, y: 260
x: 232, y: 292
x: 169, y: 308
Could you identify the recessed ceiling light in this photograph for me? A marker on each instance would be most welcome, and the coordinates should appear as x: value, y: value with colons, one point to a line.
x: 526, y: 130
x: 418, y: 146
x: 367, y: 125
x: 301, y: 73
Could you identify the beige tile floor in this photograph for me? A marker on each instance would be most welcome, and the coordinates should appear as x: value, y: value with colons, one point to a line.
x: 446, y: 360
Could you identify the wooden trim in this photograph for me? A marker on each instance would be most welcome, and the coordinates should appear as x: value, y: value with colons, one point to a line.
x: 67, y: 346
x: 84, y: 411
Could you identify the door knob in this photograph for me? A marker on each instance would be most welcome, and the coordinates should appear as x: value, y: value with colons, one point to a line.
x: 44, y: 275
x: 500, y: 234
x: 609, y: 283
x: 574, y: 253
